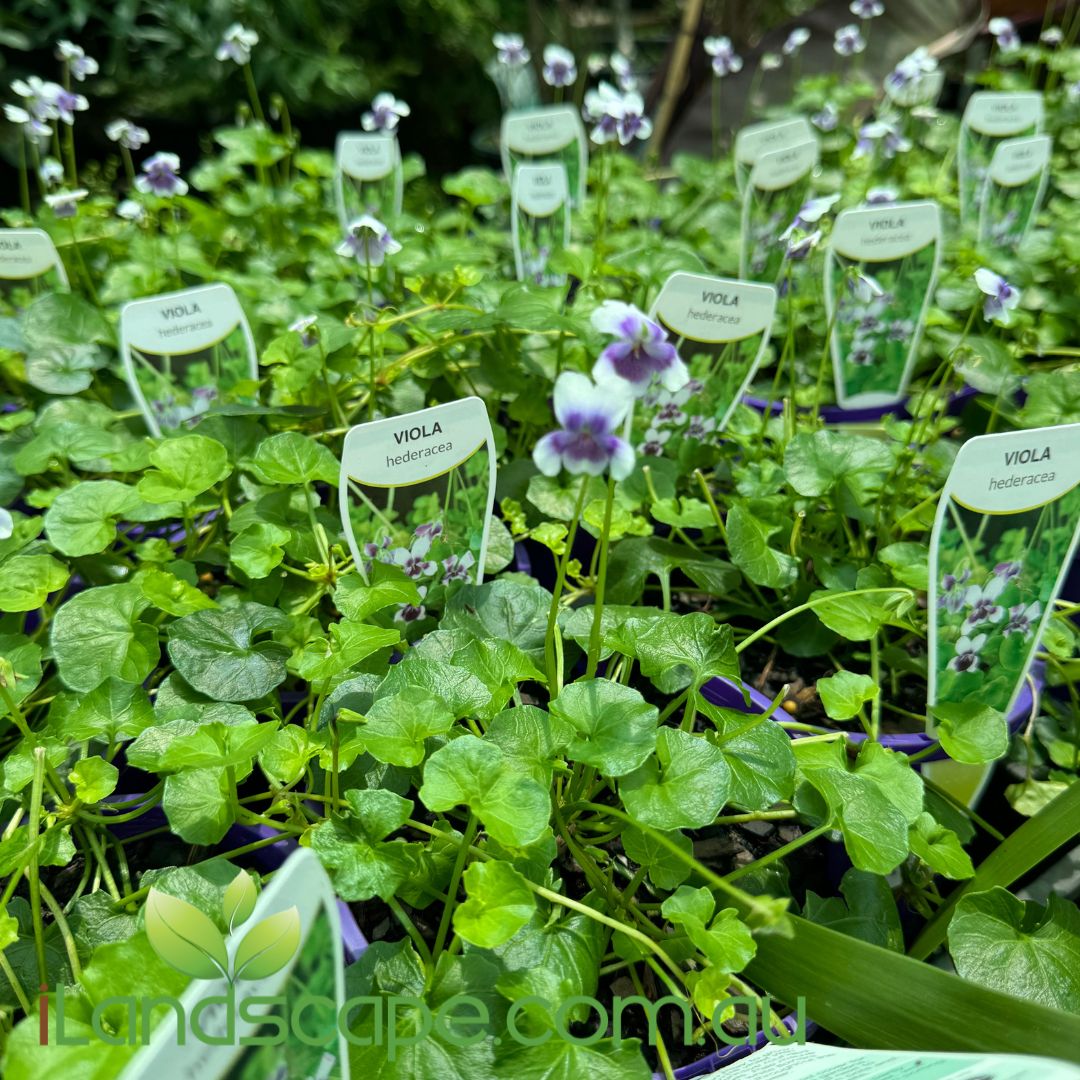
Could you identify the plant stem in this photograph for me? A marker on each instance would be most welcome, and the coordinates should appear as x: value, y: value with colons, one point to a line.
x: 455, y: 880
x: 601, y: 583
x: 32, y: 870
x: 415, y: 936
x: 553, y: 673
x: 780, y: 852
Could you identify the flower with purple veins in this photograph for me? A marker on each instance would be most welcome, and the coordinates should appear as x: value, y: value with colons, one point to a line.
x: 981, y: 601
x: 881, y: 133
x: 952, y: 591
x: 1005, y: 35
x: 430, y: 529
x: 68, y: 103
x: 799, y: 247
x: 161, y: 176
x: 369, y: 241
x: 560, y: 67
x: 669, y: 413
x: 900, y: 329
x: 848, y: 41
x: 33, y: 127
x: 1001, y: 297
x: 412, y: 612
x: 1022, y: 619
x: 385, y: 113
x: 511, y: 50
x: 653, y: 446
x: 39, y: 96
x: 633, y: 124
x: 861, y: 356
x: 827, y: 119
x: 307, y: 328
x: 604, y: 107
x: 413, y: 560
x: 236, y: 44
x: 586, y: 441
x: 866, y: 9
x: 725, y: 60
x: 64, y: 204
x: 130, y: 136
x: 863, y: 287
x: 1008, y: 570
x: 51, y: 172
x: 79, y: 64
x: 458, y: 567
x: 795, y: 41
x: 967, y: 653
x: 640, y: 352
x: 700, y: 427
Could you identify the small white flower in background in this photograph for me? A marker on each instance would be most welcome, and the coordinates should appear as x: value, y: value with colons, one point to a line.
x: 1052, y: 36
x: 128, y: 135
x: 32, y: 127
x: 64, y: 204
x: 1001, y: 297
x: 1022, y: 619
x: 770, y: 61
x: 982, y: 600
x: 881, y: 196
x: 560, y: 67
x: 866, y: 9
x: 385, y: 113
x: 369, y: 241
x: 604, y: 108
x: 1008, y: 40
x: 700, y: 427
x: 810, y: 213
x: 827, y: 119
x: 848, y: 41
x: 795, y: 41
x: 725, y: 60
x: 51, y: 172
x: 236, y: 44
x: 68, y: 103
x: 511, y: 50
x: 799, y: 247
x: 633, y: 123
x: 161, y: 176
x: 596, y: 64
x: 864, y: 287
x: 967, y: 653
x: 39, y: 97
x: 1072, y: 91
x: 130, y: 210
x: 623, y: 71
x: 653, y: 445
x: 303, y: 327
x: 79, y: 64
x: 884, y: 134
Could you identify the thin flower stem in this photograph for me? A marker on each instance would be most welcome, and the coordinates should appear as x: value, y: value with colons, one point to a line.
x: 24, y: 176
x: 414, y: 935
x: 553, y: 672
x: 32, y: 870
x: 780, y: 852
x: 601, y: 584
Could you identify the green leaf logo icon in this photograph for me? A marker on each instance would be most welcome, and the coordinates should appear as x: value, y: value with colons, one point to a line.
x: 268, y: 946
x: 240, y: 899
x: 184, y: 937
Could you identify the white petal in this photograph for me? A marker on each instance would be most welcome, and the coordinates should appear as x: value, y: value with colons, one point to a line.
x: 675, y: 376
x: 988, y: 281
x: 608, y: 316
x: 622, y: 462
x: 547, y: 458
x: 573, y: 392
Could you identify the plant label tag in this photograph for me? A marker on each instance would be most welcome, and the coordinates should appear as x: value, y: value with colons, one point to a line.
x: 779, y: 184
x: 550, y: 133
x: 721, y: 328
x: 284, y: 984
x: 880, y: 273
x: 368, y: 176
x: 756, y: 139
x: 186, y: 351
x: 539, y: 220
x: 1014, y: 189
x: 990, y: 116
x: 417, y: 492
x: 1004, y: 537
x: 28, y: 255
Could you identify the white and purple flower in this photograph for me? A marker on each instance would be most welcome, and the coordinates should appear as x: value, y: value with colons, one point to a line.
x: 65, y: 204
x: 385, y: 113
x: 881, y: 196
x: 866, y: 9
x: 967, y: 653
x: 1052, y: 36
x: 130, y: 210
x: 130, y: 136
x: 458, y: 567
x: 640, y: 353
x: 725, y: 60
x: 560, y: 67
x: 1005, y: 35
x: 68, y: 103
x: 653, y: 445
x: 1022, y: 620
x: 883, y: 135
x: 369, y: 241
x: 633, y: 123
x: 952, y: 591
x: 511, y: 50
x: 408, y: 613
x: 603, y: 108
x: 982, y: 603
x: 795, y: 41
x: 413, y: 560
x: 827, y: 119
x: 586, y: 441
x: 308, y: 329
x: 848, y: 40
x: 51, y: 172
x: 1001, y: 297
x: 810, y: 213
x: 161, y: 177
x: 236, y: 44
x: 79, y: 64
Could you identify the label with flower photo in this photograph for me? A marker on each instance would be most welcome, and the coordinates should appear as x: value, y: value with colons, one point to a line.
x: 1004, y: 537
x: 539, y: 220
x: 779, y: 185
x: 756, y: 139
x: 186, y: 351
x: 265, y: 996
x: 29, y: 257
x: 416, y: 493
x: 548, y: 134
x: 721, y: 329
x: 1014, y: 189
x: 880, y: 272
x: 368, y: 176
x: 989, y: 117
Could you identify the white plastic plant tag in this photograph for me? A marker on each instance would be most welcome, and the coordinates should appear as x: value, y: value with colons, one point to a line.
x: 779, y: 184
x: 721, y: 328
x: 812, y: 1061
x: 186, y: 351
x: 550, y: 133
x: 417, y: 492
x: 1004, y: 536
x: 274, y: 1011
x: 29, y: 257
x: 539, y: 221
x: 880, y: 272
x: 368, y: 176
x: 1014, y: 189
x: 756, y: 139
x: 990, y: 116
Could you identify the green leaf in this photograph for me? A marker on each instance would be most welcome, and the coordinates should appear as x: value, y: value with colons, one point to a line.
x: 63, y: 369
x: 268, y: 946
x: 694, y: 642
x: 98, y: 635
x: 201, y: 737
x: 499, y: 904
x: 971, y: 731
x: 184, y: 937
x: 477, y: 186
x: 82, y: 520
x: 683, y: 787
x: 199, y: 805
x: 666, y: 870
x: 64, y: 319
x: 867, y: 910
x: 346, y: 646
x: 844, y: 694
x: 113, y: 710
x: 555, y: 1059
x: 395, y: 727
x: 461, y: 691
x: 614, y: 726
x: 20, y: 667
x: 909, y: 563
x: 389, y: 586
x: 759, y: 756
x: 185, y: 467
x: 259, y: 548
x: 1019, y: 948
x: 748, y: 544
x: 502, y: 610
x: 816, y: 462
x: 726, y: 940
x: 531, y: 738
x: 216, y: 653
x: 683, y: 513
x: 239, y: 901
x: 93, y: 779
x: 27, y: 580
x: 292, y: 458
x: 860, y: 617
x: 170, y: 593
x: 940, y: 848
x: 514, y: 808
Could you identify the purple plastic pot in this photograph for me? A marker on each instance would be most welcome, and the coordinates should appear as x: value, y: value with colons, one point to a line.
x: 729, y: 695
x: 834, y: 414
x: 730, y: 1054
x: 269, y: 858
